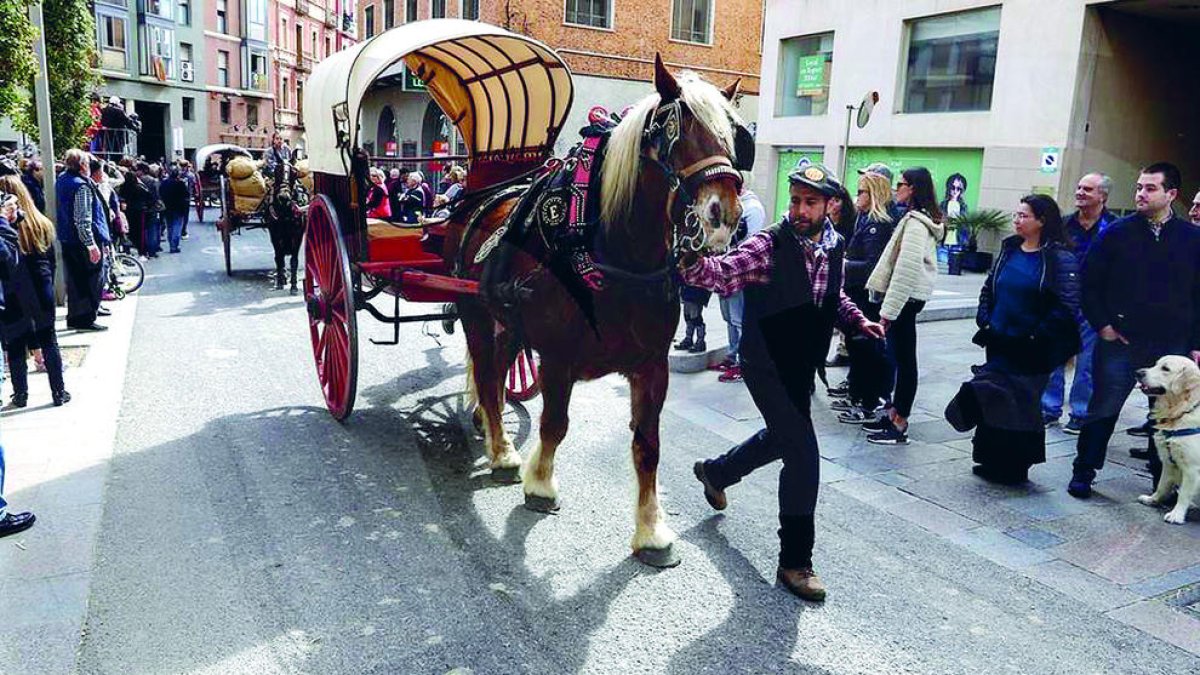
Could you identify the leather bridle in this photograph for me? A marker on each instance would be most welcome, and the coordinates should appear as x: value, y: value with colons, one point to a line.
x: 664, y: 128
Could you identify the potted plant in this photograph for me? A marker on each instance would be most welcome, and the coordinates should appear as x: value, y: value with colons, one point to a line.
x: 969, y: 226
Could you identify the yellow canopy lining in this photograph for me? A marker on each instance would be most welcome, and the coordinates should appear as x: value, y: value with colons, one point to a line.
x: 500, y: 92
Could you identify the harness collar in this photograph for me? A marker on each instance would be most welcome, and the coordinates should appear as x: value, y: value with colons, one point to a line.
x: 1177, y: 433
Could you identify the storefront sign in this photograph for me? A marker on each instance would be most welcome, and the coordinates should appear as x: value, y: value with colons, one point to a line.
x: 412, y: 82
x: 810, y: 75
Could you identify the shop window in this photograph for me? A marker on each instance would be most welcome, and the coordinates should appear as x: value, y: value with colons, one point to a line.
x: 114, y: 52
x: 952, y: 62
x: 691, y: 21
x: 805, y: 64
x: 594, y: 13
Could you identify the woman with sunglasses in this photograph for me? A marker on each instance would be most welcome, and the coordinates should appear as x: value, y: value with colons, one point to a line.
x: 902, y: 282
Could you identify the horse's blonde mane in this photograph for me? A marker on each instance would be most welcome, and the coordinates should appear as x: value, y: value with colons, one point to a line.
x: 622, y: 161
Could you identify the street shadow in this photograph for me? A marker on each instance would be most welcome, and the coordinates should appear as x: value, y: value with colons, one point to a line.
x: 759, y: 634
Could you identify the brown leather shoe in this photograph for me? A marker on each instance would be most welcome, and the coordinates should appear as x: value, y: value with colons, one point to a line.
x: 715, y: 497
x: 803, y: 582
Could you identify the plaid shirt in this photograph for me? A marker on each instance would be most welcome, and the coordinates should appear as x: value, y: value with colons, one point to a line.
x: 751, y: 263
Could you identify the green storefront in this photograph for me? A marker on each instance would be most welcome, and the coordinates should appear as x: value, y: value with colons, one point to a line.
x: 941, y: 162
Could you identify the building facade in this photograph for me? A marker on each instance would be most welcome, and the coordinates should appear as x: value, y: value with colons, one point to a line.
x: 151, y: 55
x: 608, y: 44
x: 213, y: 71
x: 1017, y: 96
x: 306, y: 32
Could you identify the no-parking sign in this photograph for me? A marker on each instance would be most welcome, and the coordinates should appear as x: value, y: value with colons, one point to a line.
x: 1050, y: 160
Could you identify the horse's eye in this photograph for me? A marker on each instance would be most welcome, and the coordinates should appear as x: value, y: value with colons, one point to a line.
x: 1166, y: 369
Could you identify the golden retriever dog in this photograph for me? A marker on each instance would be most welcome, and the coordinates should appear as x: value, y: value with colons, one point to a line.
x: 1175, y: 381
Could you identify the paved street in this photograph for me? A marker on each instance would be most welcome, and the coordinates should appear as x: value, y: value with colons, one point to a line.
x: 232, y: 526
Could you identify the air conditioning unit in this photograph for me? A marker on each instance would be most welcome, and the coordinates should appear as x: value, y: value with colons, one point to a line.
x: 186, y: 72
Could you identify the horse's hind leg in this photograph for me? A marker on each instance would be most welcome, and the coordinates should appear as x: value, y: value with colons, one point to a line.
x: 653, y: 541
x: 541, y: 487
x: 488, y: 379
x: 280, y: 253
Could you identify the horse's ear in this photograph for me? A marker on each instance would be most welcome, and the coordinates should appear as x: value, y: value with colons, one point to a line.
x: 732, y: 90
x: 664, y: 81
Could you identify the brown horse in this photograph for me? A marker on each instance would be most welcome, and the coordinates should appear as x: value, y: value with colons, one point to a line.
x: 668, y: 183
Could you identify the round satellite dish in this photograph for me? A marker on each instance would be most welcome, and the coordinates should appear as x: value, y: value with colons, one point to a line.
x: 865, y: 108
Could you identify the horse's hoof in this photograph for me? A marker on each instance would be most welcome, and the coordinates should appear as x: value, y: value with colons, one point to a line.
x: 292, y: 291
x: 659, y: 557
x: 506, y: 474
x: 542, y: 504
x: 477, y: 420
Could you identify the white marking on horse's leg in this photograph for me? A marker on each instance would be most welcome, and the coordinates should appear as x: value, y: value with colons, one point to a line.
x: 501, y: 454
x: 538, y: 475
x: 651, y: 529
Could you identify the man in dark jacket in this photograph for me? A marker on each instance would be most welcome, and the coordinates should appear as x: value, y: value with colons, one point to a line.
x: 10, y: 523
x: 791, y: 273
x: 1141, y: 294
x: 176, y: 201
x: 1091, y: 217
x: 81, y: 226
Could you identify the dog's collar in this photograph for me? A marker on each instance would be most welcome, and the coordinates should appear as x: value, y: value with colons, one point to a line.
x: 1176, y: 433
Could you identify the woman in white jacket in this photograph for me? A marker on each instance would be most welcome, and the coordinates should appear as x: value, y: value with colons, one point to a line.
x: 903, y: 281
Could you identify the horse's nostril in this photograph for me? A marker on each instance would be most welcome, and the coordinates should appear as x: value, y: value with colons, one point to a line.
x: 714, y: 211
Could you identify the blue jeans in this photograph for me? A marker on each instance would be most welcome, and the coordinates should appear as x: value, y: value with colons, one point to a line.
x: 154, y: 232
x: 175, y: 229
x: 1114, y: 368
x: 1081, y: 384
x: 3, y: 504
x: 732, y: 309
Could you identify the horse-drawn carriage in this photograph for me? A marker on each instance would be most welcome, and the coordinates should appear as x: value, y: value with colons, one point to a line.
x: 673, y: 189
x: 251, y: 198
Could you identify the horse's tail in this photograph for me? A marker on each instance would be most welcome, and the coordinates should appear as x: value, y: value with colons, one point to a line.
x: 471, y: 390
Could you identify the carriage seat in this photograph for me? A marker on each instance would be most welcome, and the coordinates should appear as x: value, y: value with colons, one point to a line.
x: 387, y: 242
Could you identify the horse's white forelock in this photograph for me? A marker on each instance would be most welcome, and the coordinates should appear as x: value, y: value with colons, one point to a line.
x: 622, y: 161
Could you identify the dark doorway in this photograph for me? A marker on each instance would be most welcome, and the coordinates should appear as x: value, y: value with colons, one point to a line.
x: 1141, y: 108
x: 152, y: 141
x: 386, y: 133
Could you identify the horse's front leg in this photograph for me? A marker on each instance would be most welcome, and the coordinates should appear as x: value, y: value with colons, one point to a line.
x: 653, y: 542
x: 541, y: 487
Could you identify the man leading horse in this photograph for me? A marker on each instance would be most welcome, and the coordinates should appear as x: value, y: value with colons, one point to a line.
x: 791, y: 273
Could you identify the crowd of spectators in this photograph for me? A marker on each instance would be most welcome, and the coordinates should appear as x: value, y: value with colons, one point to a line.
x: 405, y: 197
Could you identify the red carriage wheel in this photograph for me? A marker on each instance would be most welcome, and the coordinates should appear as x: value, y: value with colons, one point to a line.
x: 329, y: 299
x: 522, y: 383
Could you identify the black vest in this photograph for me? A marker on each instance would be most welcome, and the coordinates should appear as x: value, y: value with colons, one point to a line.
x: 782, y: 329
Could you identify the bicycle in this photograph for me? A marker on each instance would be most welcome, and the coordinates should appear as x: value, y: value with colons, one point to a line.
x: 125, y: 272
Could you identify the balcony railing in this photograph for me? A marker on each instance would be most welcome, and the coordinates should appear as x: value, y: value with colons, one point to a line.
x: 331, y: 17
x: 304, y: 63
x: 113, y: 144
x: 302, y: 7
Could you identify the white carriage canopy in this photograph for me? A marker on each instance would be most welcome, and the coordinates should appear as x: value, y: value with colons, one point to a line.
x: 506, y: 93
